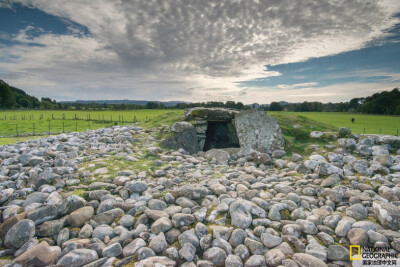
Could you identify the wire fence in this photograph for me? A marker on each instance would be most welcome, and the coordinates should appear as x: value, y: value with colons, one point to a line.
x: 53, y: 127
x: 70, y: 116
x: 386, y: 131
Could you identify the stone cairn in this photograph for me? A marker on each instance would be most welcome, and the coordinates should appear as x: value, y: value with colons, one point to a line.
x: 112, y: 197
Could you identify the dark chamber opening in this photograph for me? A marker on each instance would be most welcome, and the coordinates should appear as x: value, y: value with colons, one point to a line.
x: 220, y: 134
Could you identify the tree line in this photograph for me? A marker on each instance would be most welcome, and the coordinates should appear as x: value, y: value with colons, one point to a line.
x: 386, y: 102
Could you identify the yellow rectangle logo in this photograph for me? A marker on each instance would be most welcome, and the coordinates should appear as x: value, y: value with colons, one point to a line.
x: 355, y: 250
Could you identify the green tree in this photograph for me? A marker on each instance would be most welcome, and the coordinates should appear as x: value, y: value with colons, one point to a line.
x: 275, y: 106
x: 7, y: 98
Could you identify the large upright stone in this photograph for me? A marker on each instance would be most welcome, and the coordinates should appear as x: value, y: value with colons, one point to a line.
x: 258, y: 132
x: 184, y: 136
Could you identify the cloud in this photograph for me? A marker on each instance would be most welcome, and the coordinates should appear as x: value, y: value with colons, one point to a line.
x: 340, y: 92
x: 178, y: 49
x: 297, y: 85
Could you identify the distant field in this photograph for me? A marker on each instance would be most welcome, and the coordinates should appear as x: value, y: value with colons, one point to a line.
x: 118, y: 115
x: 39, y: 122
x: 370, y: 124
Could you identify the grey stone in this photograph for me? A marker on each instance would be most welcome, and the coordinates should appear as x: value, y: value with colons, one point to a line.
x: 33, y: 161
x: 156, y: 204
x: 317, y: 251
x: 156, y: 261
x: 50, y: 228
x: 132, y: 247
x: 20, y: 233
x: 306, y: 260
x: 42, y: 214
x: 186, y: 138
x: 113, y: 250
x: 86, y: 231
x: 357, y: 211
x: 270, y: 241
x: 71, y: 204
x: 258, y: 132
x: 109, y: 216
x: 255, y: 261
x: 102, y: 231
x: 126, y: 221
x: 137, y: 186
x: 338, y: 253
x: 292, y: 229
x: 255, y: 247
x: 385, y: 160
x: 242, y: 251
x: 237, y: 237
x: 274, y: 257
x: 374, y: 237
x: 182, y: 219
x: 78, y: 257
x: 241, y: 211
x: 221, y: 156
x: 158, y: 243
x: 388, y: 214
x: 278, y: 154
x: 63, y: 236
x: 221, y: 243
x: 215, y: 255
x: 144, y: 253
x: 78, y: 217
x: 343, y: 227
x: 187, y: 252
x: 233, y: 261
x: 201, y: 230
x: 35, y: 197
x: 307, y: 227
x: 344, y: 132
x: 189, y: 236
x: 209, y: 114
x: 161, y: 225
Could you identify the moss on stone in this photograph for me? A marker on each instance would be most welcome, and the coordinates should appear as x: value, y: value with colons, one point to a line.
x: 285, y: 214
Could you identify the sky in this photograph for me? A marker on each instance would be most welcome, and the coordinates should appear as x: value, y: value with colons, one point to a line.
x: 253, y: 51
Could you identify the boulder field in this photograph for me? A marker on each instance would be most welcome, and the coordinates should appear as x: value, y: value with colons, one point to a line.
x: 113, y: 197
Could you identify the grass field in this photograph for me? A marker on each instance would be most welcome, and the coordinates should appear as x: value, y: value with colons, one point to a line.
x: 370, y: 124
x: 40, y: 121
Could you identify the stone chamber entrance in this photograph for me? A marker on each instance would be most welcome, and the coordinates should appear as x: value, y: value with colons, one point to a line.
x: 220, y: 134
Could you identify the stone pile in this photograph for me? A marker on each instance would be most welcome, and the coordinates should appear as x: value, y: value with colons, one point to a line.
x: 112, y: 197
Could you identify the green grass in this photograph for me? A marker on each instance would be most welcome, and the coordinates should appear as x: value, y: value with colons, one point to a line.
x: 38, y: 122
x: 298, y: 139
x: 13, y: 140
x: 373, y: 124
x: 108, y: 115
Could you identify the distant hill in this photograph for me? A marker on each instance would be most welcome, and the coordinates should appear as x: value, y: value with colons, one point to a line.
x: 124, y: 101
x: 11, y: 97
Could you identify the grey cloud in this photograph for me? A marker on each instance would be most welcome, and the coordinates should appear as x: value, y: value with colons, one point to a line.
x: 183, y: 42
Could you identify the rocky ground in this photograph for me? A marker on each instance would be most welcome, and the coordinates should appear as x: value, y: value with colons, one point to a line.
x: 112, y: 197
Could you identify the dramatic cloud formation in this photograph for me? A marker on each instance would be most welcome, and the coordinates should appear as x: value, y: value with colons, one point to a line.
x: 186, y: 49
